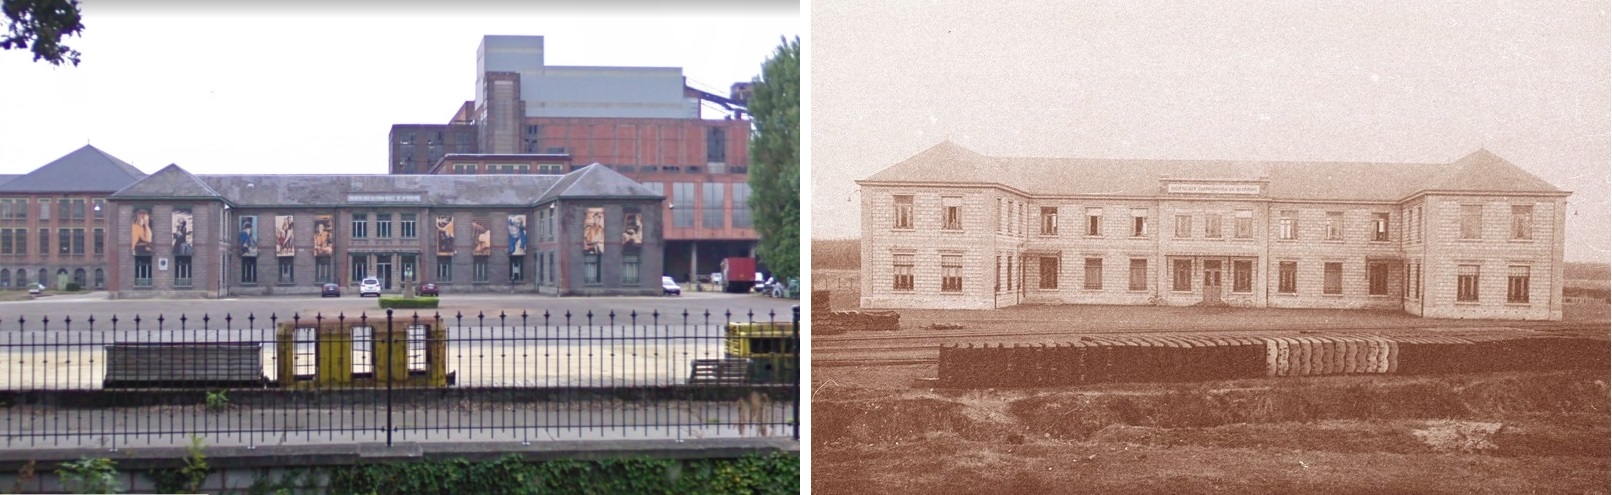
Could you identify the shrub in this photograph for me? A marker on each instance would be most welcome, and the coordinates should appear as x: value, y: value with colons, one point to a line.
x: 99, y: 475
x: 395, y: 302
x: 74, y: 287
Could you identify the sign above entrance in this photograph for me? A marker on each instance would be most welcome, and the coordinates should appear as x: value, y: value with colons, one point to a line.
x: 383, y: 198
x: 1188, y: 188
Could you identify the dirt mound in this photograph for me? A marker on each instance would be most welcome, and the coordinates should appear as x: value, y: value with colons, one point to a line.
x: 905, y: 419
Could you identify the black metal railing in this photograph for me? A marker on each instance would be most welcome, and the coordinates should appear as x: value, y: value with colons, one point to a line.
x: 400, y: 376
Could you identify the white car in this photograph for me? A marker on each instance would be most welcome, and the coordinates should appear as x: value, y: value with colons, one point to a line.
x: 370, y: 286
x: 668, y: 287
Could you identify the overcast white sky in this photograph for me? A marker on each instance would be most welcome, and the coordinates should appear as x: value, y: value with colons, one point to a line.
x: 300, y: 87
x: 1326, y: 81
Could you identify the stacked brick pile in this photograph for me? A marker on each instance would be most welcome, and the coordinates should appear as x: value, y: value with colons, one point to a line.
x: 1193, y: 358
x: 825, y: 321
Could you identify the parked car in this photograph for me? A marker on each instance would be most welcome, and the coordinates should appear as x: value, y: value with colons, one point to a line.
x: 428, y: 289
x: 668, y: 287
x: 35, y: 289
x: 330, y: 290
x: 370, y: 286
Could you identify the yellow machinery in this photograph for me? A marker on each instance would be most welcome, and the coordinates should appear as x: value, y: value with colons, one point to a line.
x: 770, y: 349
x: 362, y: 354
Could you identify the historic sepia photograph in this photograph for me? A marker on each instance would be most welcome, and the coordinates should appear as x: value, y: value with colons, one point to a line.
x: 1253, y: 247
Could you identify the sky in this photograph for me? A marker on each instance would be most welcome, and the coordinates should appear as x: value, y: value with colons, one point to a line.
x: 314, y: 87
x: 1396, y: 82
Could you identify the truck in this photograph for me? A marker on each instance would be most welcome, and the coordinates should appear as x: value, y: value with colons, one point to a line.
x: 738, y: 274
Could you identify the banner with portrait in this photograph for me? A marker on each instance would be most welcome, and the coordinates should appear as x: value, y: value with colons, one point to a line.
x: 517, y: 235
x: 484, y: 237
x: 445, y: 236
x: 593, y: 231
x: 324, y: 235
x: 246, y: 237
x: 284, y: 235
x: 140, y: 231
x: 632, y: 231
x: 183, y: 222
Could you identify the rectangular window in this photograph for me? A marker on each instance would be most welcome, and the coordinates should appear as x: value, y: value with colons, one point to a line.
x: 1138, y: 274
x: 1094, y: 221
x: 1138, y: 222
x: 358, y: 268
x: 1334, y: 226
x: 181, y: 271
x: 590, y: 268
x: 901, y: 266
x: 287, y: 269
x: 1182, y: 279
x: 249, y: 270
x: 383, y: 225
x: 44, y: 209
x: 1379, y: 226
x: 1288, y: 277
x: 44, y: 242
x: 142, y: 271
x: 100, y: 209
x: 742, y: 218
x: 1049, y: 220
x: 322, y: 270
x: 479, y: 269
x: 22, y: 241
x: 64, y: 241
x: 711, y: 216
x: 1094, y: 273
x: 1049, y: 272
x: 406, y: 225
x: 64, y: 209
x: 1287, y: 227
x: 1471, y: 221
x: 78, y: 209
x: 903, y: 212
x: 5, y: 241
x: 951, y: 273
x: 1333, y: 282
x: 1466, y: 283
x: 1242, y: 276
x: 1418, y: 217
x: 683, y: 204
x: 517, y: 269
x: 444, y: 269
x: 952, y: 215
x: 1211, y: 226
x: 1522, y: 222
x: 100, y: 242
x: 1377, y: 278
x: 78, y: 242
x: 360, y: 225
x: 629, y: 269
x: 1517, y: 284
x: 1183, y: 225
x: 1245, y: 224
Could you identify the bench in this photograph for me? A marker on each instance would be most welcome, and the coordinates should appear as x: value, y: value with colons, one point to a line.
x: 184, y: 365
x: 719, y: 371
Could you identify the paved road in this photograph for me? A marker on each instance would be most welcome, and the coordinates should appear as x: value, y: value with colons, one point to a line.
x: 41, y: 428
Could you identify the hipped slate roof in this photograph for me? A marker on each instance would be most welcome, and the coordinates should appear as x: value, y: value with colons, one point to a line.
x: 949, y: 163
x: 593, y: 181
x: 87, y: 169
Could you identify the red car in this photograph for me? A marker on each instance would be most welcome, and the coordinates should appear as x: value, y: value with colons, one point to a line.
x: 428, y: 289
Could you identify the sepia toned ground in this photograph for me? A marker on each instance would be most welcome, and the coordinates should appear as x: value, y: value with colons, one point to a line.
x: 880, y: 426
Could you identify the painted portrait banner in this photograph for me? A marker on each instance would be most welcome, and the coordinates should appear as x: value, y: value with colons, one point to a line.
x: 141, y: 232
x: 324, y: 235
x: 285, y: 242
x: 445, y: 236
x: 484, y: 237
x: 182, y: 223
x: 246, y: 237
x: 593, y: 231
x: 517, y: 235
x: 632, y: 232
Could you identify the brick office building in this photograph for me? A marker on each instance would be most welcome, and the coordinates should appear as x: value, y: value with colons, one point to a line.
x: 587, y: 232
x: 53, y: 220
x: 643, y: 122
x: 1474, y: 238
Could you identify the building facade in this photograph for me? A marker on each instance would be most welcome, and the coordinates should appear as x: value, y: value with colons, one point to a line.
x: 53, y: 225
x: 587, y: 232
x: 643, y: 122
x: 1474, y: 238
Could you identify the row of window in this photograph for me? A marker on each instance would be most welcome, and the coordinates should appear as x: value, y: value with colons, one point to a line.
x: 508, y: 168
x: 407, y: 226
x: 69, y: 242
x: 1466, y: 283
x: 710, y: 209
x: 66, y: 209
x: 359, y: 269
x: 79, y: 276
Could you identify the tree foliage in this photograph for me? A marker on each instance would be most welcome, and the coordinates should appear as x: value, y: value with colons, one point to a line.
x: 775, y: 159
x: 40, y: 25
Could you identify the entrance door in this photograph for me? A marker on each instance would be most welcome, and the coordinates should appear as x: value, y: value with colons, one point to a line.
x: 1211, y: 281
x: 383, y: 269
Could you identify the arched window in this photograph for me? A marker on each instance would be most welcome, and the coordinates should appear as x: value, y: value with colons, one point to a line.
x: 5, y: 278
x: 80, y: 278
x: 100, y: 279
x: 22, y: 278
x: 44, y: 277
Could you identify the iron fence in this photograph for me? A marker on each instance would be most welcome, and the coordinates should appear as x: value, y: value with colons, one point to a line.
x: 401, y: 376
